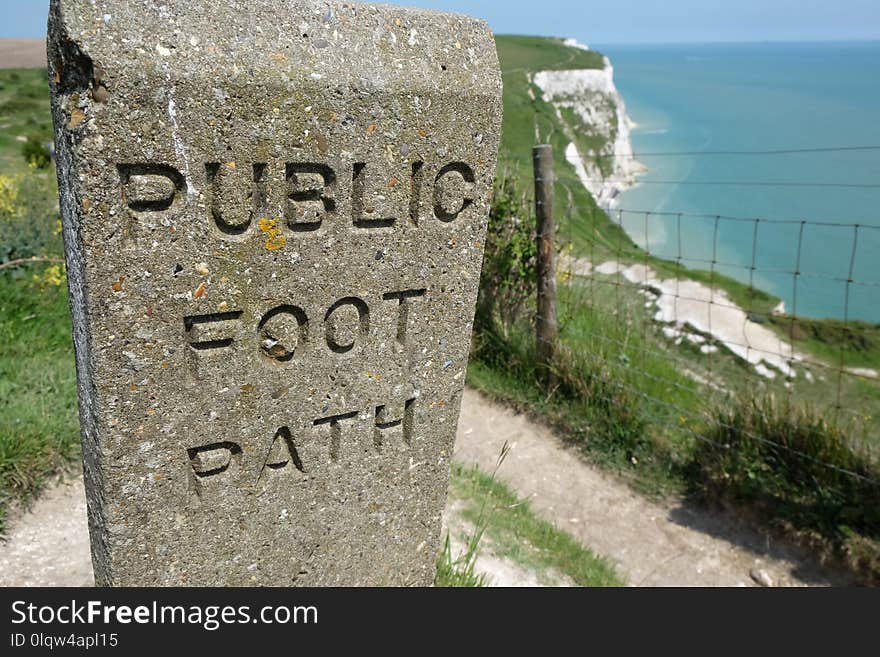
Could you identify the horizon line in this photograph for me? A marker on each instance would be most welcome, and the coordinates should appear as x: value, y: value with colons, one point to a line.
x: 600, y: 43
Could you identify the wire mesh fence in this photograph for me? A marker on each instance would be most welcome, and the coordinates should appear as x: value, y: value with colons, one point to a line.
x: 733, y: 357
x: 675, y: 300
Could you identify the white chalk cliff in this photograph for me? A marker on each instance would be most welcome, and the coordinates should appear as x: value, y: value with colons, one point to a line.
x: 599, y: 111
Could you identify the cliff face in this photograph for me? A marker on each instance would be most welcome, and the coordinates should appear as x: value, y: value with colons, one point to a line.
x: 594, y: 118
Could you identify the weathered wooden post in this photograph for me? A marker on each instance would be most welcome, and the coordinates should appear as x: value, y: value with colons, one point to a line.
x: 273, y: 220
x: 542, y: 157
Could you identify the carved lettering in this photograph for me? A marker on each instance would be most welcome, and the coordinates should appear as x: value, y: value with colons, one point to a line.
x: 150, y: 187
x: 365, y: 213
x: 385, y: 422
x: 236, y: 195
x: 204, y: 332
x: 452, y: 187
x: 347, y: 320
x: 416, y: 192
x: 334, y: 421
x: 210, y: 461
x: 219, y: 464
x: 282, y: 332
x: 310, y: 189
x: 403, y: 298
x: 283, y: 455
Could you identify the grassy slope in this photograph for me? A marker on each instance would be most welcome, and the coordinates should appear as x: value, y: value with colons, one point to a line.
x: 38, y: 424
x: 634, y: 403
x: 527, y: 122
x: 591, y: 234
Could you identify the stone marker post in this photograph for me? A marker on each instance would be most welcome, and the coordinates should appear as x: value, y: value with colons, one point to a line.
x: 273, y: 218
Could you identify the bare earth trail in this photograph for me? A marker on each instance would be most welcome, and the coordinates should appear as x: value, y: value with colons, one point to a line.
x: 652, y: 544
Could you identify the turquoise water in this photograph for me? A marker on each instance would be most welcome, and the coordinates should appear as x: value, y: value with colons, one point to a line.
x: 761, y: 97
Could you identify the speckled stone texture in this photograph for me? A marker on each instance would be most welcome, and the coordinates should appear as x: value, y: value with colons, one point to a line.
x: 273, y: 216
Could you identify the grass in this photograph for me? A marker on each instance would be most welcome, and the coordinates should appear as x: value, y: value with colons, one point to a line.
x: 516, y: 533
x: 587, y: 228
x: 39, y: 433
x: 772, y: 458
x: 461, y: 571
x: 527, y: 122
x: 24, y: 108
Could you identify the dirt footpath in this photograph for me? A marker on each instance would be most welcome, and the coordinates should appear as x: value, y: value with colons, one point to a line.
x: 49, y: 544
x: 652, y: 544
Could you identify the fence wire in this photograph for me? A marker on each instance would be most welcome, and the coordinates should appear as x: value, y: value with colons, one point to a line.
x: 690, y: 344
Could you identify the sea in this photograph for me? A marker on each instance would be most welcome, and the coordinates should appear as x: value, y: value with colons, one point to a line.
x: 802, y: 222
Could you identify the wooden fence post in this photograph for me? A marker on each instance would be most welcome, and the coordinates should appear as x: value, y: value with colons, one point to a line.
x: 542, y: 157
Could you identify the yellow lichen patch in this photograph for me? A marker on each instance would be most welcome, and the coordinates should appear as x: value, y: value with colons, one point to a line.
x: 200, y: 292
x: 117, y: 286
x: 274, y: 237
x: 371, y: 128
x: 230, y: 165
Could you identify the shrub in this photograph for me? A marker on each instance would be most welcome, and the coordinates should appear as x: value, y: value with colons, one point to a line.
x: 36, y: 153
x: 28, y: 217
x: 797, y: 470
x: 508, y: 277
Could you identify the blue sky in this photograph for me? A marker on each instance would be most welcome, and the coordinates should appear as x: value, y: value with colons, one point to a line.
x: 615, y: 21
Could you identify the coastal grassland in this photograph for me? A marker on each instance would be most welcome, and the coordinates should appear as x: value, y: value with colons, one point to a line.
x: 513, y: 531
x: 39, y: 434
x: 665, y: 416
x: 38, y: 426
x: 530, y: 120
x: 590, y: 233
x: 674, y: 421
x: 587, y: 232
x: 24, y: 113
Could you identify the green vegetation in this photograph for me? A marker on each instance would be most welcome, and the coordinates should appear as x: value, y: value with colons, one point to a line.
x: 514, y: 532
x: 667, y: 417
x: 528, y: 120
x: 461, y: 571
x: 771, y: 457
x: 633, y: 401
x: 24, y: 108
x: 38, y: 425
